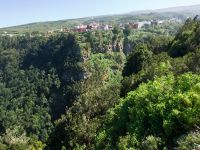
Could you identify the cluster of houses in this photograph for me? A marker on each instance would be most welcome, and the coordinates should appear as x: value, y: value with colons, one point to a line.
x: 83, y: 28
x: 5, y: 33
x: 153, y: 23
x: 144, y: 24
x: 92, y: 26
x: 106, y: 27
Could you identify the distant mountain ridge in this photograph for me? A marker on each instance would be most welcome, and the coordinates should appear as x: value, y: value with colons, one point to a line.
x: 191, y: 8
x: 181, y: 11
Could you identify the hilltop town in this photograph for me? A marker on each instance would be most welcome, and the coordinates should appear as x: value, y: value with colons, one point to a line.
x: 105, y: 27
x: 137, y: 25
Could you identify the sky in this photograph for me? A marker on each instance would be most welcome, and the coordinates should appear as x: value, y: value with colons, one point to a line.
x: 16, y: 12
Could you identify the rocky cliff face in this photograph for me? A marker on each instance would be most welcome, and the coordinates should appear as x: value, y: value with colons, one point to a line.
x: 117, y: 46
x: 127, y: 48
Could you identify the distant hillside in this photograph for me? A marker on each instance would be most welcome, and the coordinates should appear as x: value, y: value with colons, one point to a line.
x: 187, y: 9
x: 181, y: 12
x: 194, y: 9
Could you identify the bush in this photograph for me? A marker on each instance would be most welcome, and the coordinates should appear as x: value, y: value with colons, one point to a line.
x: 128, y: 142
x: 152, y: 143
x: 3, y: 147
x: 166, y: 107
x: 189, y: 142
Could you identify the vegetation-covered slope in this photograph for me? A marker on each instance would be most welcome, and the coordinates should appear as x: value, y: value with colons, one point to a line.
x: 119, y: 89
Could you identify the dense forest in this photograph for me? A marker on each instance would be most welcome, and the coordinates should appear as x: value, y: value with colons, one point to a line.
x: 118, y: 89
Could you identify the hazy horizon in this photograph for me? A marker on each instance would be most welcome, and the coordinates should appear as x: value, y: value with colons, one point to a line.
x: 18, y: 12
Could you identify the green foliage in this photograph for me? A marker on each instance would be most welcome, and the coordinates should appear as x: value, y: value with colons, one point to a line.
x: 128, y: 142
x: 158, y: 66
x: 137, y: 60
x: 72, y: 91
x: 36, y: 77
x: 36, y: 145
x: 151, y: 143
x: 189, y: 141
x: 165, y: 107
x: 99, y: 93
x: 186, y: 40
x: 3, y: 146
